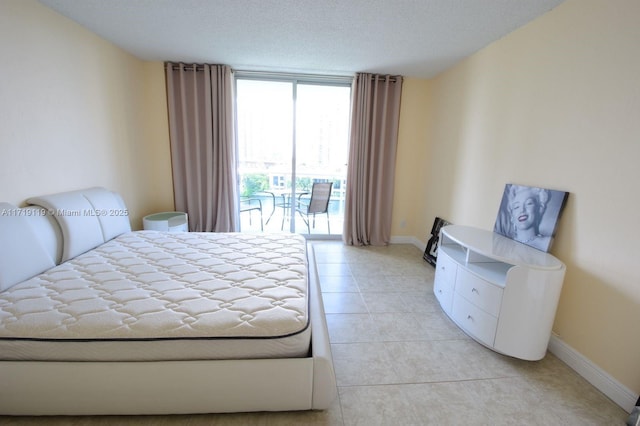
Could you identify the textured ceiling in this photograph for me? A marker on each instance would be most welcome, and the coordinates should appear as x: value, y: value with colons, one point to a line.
x: 416, y: 38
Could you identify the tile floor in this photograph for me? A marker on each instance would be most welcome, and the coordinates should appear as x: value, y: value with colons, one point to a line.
x: 400, y: 361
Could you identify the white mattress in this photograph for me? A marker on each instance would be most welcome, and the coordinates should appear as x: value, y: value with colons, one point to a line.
x: 151, y: 295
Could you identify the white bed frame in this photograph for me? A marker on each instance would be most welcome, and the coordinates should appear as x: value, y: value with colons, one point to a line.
x: 177, y: 387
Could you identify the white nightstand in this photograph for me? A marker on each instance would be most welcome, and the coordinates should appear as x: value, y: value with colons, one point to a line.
x: 166, y: 221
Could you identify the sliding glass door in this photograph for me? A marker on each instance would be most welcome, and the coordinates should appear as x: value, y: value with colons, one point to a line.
x: 292, y: 133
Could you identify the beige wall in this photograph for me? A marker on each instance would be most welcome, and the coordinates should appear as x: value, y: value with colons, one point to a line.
x: 76, y: 111
x: 555, y: 104
x: 411, y: 171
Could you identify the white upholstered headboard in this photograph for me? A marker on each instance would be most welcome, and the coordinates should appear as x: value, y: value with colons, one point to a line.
x: 87, y: 218
x: 56, y: 228
x: 22, y: 253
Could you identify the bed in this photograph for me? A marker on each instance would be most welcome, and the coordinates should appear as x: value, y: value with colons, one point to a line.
x: 98, y: 319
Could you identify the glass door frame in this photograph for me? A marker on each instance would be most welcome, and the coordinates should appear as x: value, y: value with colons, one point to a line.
x: 295, y: 80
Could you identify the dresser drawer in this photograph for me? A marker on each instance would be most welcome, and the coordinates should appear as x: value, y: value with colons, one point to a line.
x: 446, y: 269
x: 444, y: 293
x: 444, y: 281
x: 481, y: 293
x: 474, y: 320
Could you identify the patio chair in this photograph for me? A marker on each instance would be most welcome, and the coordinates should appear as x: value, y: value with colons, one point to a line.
x: 249, y: 205
x: 318, y: 203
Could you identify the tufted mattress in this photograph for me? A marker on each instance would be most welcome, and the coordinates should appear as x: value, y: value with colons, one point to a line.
x: 147, y: 296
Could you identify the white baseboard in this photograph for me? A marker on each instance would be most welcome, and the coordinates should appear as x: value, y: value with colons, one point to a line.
x: 602, y: 381
x: 408, y: 240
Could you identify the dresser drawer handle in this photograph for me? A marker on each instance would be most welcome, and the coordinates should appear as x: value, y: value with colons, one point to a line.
x: 474, y: 290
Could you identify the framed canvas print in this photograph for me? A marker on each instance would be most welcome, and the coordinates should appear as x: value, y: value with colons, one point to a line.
x: 530, y: 215
x: 431, y: 252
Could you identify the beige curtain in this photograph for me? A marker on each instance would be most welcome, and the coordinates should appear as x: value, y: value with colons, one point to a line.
x: 200, y: 102
x: 375, y: 114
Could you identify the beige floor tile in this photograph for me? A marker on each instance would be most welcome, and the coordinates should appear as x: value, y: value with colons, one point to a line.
x: 398, y: 326
x: 410, y: 283
x: 472, y: 361
x: 344, y: 303
x: 421, y: 301
x: 421, y: 362
x: 358, y: 364
x: 333, y: 269
x: 378, y: 302
x: 338, y: 284
x: 351, y: 328
x: 374, y: 283
x: 411, y: 404
x: 438, y: 326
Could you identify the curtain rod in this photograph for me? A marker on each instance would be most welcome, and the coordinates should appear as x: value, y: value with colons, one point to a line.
x: 392, y: 78
x: 187, y: 67
x: 343, y: 79
x: 283, y: 75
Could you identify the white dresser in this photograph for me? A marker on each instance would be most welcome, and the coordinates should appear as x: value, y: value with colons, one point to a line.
x: 502, y: 293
